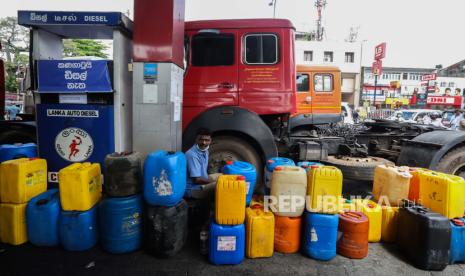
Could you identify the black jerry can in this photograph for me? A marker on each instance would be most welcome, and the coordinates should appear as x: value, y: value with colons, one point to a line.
x: 122, y: 174
x: 424, y: 237
x: 165, y: 229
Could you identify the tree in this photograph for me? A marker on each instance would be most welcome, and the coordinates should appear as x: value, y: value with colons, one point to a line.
x: 84, y: 47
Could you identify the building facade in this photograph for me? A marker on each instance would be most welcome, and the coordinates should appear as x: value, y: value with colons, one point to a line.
x: 394, y: 84
x: 345, y: 55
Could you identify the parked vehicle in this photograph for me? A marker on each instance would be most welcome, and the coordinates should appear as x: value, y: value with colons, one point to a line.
x: 412, y: 115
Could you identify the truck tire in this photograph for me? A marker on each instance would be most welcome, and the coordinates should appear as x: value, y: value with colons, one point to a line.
x: 453, y: 162
x: 225, y: 148
x: 357, y: 168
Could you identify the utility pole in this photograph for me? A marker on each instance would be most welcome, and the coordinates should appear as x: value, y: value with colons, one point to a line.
x: 273, y: 3
x: 320, y: 5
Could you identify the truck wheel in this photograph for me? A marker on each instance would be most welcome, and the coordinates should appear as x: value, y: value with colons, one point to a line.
x: 453, y: 162
x: 225, y: 148
x: 357, y: 168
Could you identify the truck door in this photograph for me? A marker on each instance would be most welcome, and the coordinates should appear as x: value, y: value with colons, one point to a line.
x: 326, y: 93
x: 212, y: 73
x: 304, y: 95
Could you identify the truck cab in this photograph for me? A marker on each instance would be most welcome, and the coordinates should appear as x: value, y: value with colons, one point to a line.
x: 318, y: 97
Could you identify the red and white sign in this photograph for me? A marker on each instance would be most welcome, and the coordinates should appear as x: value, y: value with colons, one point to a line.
x: 377, y: 68
x: 444, y: 100
x: 380, y: 51
x: 428, y: 77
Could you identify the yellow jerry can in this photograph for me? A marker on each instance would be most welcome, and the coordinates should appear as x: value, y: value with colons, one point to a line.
x: 230, y: 200
x: 22, y: 179
x: 324, y: 189
x: 80, y: 186
x: 374, y: 213
x: 259, y: 232
x: 288, y: 190
x: 13, y: 223
x: 389, y: 223
x: 443, y: 193
x: 391, y: 184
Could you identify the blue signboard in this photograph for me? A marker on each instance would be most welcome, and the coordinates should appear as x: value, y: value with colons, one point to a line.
x: 73, y: 76
x: 150, y: 71
x: 74, y: 133
x: 33, y: 18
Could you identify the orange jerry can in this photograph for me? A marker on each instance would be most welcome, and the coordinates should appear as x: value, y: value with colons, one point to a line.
x: 353, y: 231
x: 287, y: 234
x: 414, y: 191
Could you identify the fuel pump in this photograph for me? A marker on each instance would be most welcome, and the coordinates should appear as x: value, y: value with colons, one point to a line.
x: 83, y: 104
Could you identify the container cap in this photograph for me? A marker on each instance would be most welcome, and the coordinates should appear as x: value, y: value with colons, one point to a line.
x: 33, y: 158
x: 240, y: 177
x: 371, y: 205
x: 314, y: 166
x: 457, y: 222
x: 229, y: 162
x: 270, y: 161
x: 256, y: 206
x: 304, y: 166
x: 348, y: 200
x: 278, y: 168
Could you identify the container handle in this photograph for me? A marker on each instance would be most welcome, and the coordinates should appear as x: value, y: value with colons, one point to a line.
x: 42, y: 201
x: 256, y: 206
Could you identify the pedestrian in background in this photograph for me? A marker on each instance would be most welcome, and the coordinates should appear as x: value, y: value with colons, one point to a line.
x: 456, y: 119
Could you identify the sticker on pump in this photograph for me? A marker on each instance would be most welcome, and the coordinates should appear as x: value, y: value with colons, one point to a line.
x: 226, y: 243
x: 74, y: 144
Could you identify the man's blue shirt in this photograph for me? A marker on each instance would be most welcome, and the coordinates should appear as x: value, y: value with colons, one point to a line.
x: 197, y: 165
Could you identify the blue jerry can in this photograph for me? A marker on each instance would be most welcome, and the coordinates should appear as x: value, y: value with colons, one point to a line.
x: 42, y: 214
x: 120, y: 224
x: 78, y: 230
x: 248, y: 171
x: 164, y: 178
x: 270, y: 165
x: 457, y: 242
x: 9, y: 152
x: 320, y: 235
x: 227, y: 244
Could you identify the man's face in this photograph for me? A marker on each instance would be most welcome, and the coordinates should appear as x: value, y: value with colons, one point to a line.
x: 203, y: 141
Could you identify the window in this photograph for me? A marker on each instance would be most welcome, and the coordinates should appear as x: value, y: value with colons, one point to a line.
x: 212, y: 49
x: 451, y: 84
x: 261, y: 49
x: 302, y: 83
x: 323, y: 83
x: 443, y: 84
x: 328, y: 57
x: 349, y: 57
x: 308, y: 55
x: 405, y: 76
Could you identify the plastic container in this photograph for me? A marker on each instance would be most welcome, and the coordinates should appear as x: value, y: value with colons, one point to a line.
x: 230, y: 200
x: 353, y: 235
x: 414, y: 191
x: 259, y: 229
x: 42, y: 214
x: 248, y: 171
x: 271, y: 164
x: 391, y: 184
x: 16, y: 151
x: 80, y: 186
x: 121, y: 224
x: 348, y: 205
x: 374, y: 213
x: 424, y: 237
x: 457, y: 242
x: 442, y: 193
x: 320, y: 235
x: 164, y: 178
x: 78, y: 231
x: 324, y: 189
x: 289, y: 188
x: 287, y: 234
x: 389, y: 223
x: 227, y: 244
x: 22, y: 179
x: 13, y: 228
x: 306, y: 165
x: 123, y: 174
x: 165, y: 229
